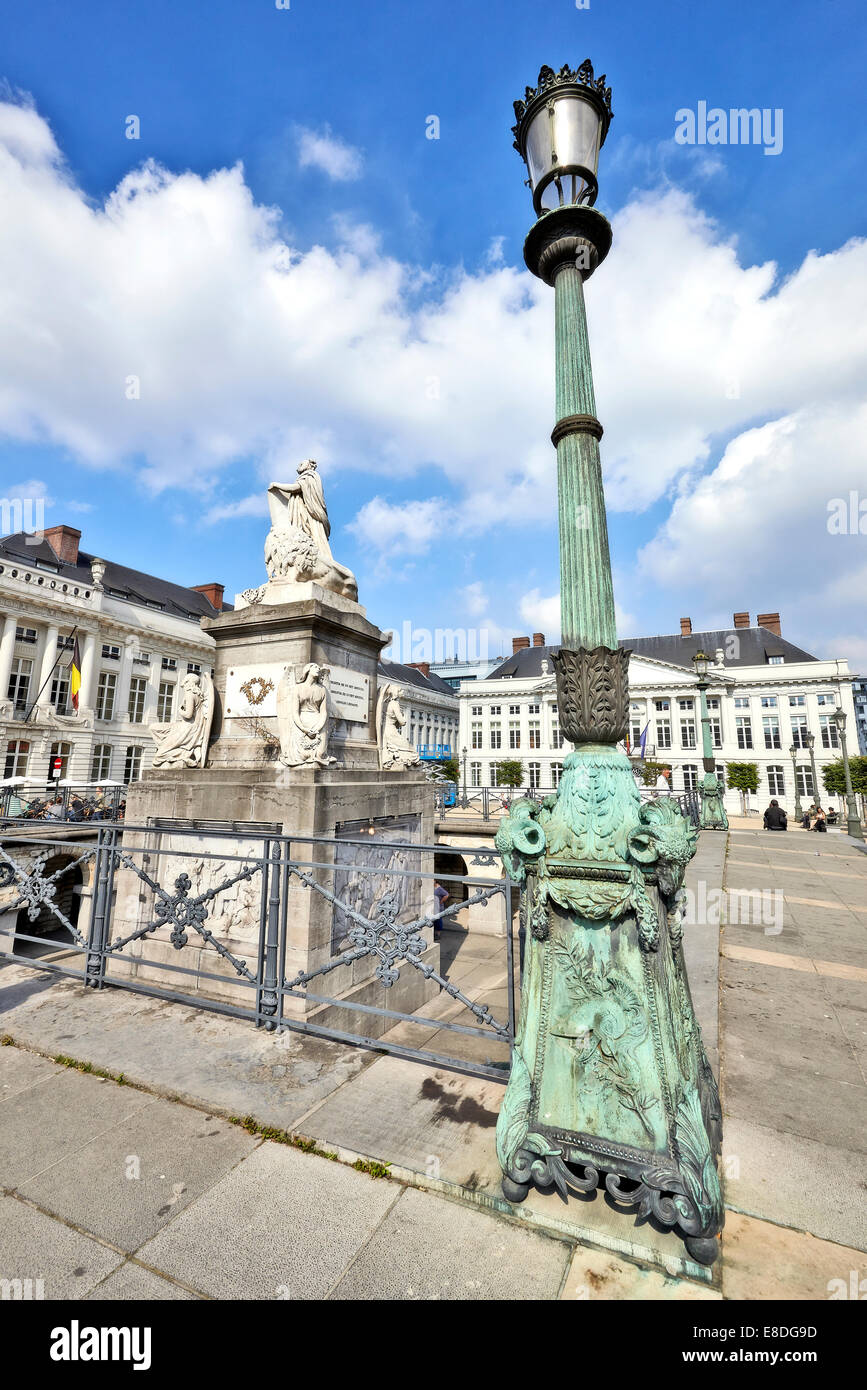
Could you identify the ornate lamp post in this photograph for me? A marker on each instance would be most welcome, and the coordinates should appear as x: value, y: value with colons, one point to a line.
x: 793, y: 754
x: 811, y: 744
x: 465, y: 800
x: 713, y: 812
x: 609, y: 1074
x: 853, y: 820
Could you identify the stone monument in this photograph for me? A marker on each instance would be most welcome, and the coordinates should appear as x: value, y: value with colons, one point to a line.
x: 290, y: 738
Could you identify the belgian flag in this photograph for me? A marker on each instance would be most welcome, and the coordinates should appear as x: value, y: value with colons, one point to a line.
x: 75, y: 676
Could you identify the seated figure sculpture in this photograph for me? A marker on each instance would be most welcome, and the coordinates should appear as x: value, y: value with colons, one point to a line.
x: 184, y: 742
x: 395, y: 750
x: 297, y: 546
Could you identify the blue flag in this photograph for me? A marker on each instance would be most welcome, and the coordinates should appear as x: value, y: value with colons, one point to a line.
x: 644, y: 740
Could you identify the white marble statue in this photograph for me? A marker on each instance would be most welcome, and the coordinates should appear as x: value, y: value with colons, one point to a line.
x: 297, y: 546
x: 184, y: 742
x: 395, y: 750
x: 302, y: 716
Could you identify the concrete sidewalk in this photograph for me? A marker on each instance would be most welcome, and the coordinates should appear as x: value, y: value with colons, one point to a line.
x: 442, y: 1214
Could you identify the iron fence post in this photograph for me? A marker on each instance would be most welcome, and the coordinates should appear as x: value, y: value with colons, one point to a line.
x: 268, y: 978
x: 101, y: 911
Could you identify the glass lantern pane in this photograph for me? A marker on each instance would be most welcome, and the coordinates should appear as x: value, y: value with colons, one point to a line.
x: 576, y: 132
x: 539, y: 146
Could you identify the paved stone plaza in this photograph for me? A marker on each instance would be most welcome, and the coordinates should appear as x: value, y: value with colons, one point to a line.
x: 781, y: 1002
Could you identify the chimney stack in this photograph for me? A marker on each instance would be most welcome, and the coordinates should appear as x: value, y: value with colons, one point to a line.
x: 686, y: 627
x: 64, y: 542
x: 423, y: 666
x: 519, y: 643
x: 538, y: 639
x: 742, y: 619
x: 213, y: 593
x: 771, y: 621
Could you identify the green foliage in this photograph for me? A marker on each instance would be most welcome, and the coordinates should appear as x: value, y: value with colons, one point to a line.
x: 510, y: 772
x: 450, y: 769
x: 835, y: 780
x: 743, y: 777
x: 651, y: 770
x: 373, y: 1170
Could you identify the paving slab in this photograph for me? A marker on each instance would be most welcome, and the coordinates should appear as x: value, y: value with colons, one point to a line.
x: 132, y: 1282
x: 21, y: 1070
x: 762, y: 1261
x: 132, y: 1180
x: 596, y: 1274
x: 49, y: 1123
x: 282, y: 1224
x: 36, y: 1247
x: 802, y: 1183
x: 431, y: 1248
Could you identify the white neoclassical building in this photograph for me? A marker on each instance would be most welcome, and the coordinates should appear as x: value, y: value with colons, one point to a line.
x: 432, y: 707
x: 138, y: 637
x: 765, y: 696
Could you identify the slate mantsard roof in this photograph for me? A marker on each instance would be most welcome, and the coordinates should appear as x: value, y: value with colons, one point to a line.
x: 754, y: 647
x: 410, y: 675
x: 119, y: 582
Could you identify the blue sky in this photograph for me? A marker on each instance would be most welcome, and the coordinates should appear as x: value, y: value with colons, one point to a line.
x: 410, y: 352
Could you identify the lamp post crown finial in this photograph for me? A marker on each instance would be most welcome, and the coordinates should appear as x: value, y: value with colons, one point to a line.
x: 548, y: 79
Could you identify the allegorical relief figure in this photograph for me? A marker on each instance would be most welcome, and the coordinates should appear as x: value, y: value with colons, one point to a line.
x: 297, y: 546
x: 184, y: 742
x: 395, y: 750
x: 302, y: 716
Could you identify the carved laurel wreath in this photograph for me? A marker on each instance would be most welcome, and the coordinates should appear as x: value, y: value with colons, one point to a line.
x: 256, y: 688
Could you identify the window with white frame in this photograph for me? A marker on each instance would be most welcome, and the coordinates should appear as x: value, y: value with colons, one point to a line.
x: 532, y: 709
x: 514, y: 734
x: 556, y: 774
x: 494, y: 775
x: 169, y: 663
x: 110, y: 652
x: 195, y: 667
x: 744, y: 730
x: 495, y: 709
x: 690, y: 777
x: 165, y: 702
x: 825, y: 700
x: 105, y: 694
x: 496, y: 736
x: 663, y: 733
x: 686, y: 705
x: 805, y: 781
x: 769, y: 702
x: 713, y: 702
x: 137, y: 691
x: 475, y: 774
x: 100, y: 762
x: 776, y: 780
x: 60, y: 690
x: 742, y: 702
x: 475, y: 735
x: 534, y: 775
x: 687, y: 733
x: 799, y: 730
x: 771, y: 731
x: 132, y: 763
x: 17, y: 753
x: 797, y: 701
x: 556, y: 734
x: 514, y: 709
x: 715, y: 724
x: 26, y: 634
x: 19, y: 681
x: 475, y: 709
x: 535, y: 733
x: 829, y: 732
x: 776, y: 660
x: 720, y: 771
x: 662, y: 705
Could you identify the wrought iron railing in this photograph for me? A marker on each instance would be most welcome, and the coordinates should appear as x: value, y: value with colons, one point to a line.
x: 341, y: 938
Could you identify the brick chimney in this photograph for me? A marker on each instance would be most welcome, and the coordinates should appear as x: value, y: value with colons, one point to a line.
x: 538, y: 639
x: 423, y: 666
x: 519, y: 643
x: 771, y: 621
x: 742, y: 619
x: 213, y: 593
x: 686, y: 627
x: 64, y: 542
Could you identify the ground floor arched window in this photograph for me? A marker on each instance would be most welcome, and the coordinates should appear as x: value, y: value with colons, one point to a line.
x: 17, y: 754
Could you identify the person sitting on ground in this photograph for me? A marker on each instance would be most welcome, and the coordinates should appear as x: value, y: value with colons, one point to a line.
x: 819, y: 820
x: 832, y: 816
x: 775, y: 817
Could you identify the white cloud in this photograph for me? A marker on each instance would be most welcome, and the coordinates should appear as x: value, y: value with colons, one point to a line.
x: 322, y: 149
x: 243, y: 346
x: 542, y: 614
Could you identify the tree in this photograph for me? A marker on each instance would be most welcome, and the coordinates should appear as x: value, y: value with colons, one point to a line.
x: 835, y: 778
x: 651, y: 770
x: 510, y: 772
x: 450, y: 769
x: 744, y: 777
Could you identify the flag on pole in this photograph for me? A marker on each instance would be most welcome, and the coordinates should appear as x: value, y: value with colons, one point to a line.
x: 644, y: 740
x: 75, y: 676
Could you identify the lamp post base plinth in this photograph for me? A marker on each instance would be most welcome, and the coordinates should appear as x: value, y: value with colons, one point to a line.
x: 712, y: 815
x: 610, y: 1084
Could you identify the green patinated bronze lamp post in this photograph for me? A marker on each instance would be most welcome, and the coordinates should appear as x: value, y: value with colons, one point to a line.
x: 609, y: 1083
x: 799, y: 811
x: 811, y: 744
x: 713, y: 812
x: 853, y: 820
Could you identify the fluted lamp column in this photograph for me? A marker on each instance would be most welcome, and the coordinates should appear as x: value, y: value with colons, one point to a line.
x: 609, y: 1084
